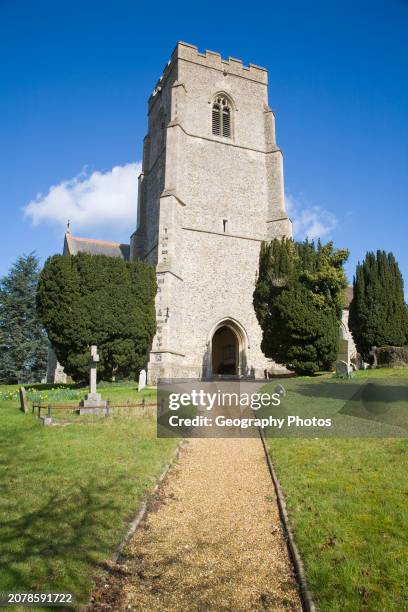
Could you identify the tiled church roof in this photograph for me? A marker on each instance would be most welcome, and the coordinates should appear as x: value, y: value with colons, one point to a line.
x: 74, y: 245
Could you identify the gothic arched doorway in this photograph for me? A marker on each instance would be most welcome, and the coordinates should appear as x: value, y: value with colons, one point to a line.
x: 226, y: 350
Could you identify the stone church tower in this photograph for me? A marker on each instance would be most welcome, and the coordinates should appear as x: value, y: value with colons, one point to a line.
x: 210, y: 192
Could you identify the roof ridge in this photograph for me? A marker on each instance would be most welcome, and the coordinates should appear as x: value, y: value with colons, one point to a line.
x: 96, y: 240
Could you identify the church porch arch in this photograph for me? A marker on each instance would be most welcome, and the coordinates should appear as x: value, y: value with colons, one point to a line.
x: 227, y: 350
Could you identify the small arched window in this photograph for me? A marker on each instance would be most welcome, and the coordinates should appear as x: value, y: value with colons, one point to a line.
x: 221, y: 117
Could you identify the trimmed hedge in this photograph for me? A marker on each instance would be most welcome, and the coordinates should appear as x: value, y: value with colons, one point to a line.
x: 393, y: 356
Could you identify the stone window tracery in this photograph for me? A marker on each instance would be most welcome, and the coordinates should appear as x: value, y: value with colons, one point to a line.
x: 221, y: 117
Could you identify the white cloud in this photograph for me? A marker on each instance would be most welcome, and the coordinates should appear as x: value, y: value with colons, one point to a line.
x: 100, y: 201
x: 309, y: 221
x: 106, y: 202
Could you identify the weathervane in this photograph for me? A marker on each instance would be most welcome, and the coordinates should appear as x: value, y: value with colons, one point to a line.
x: 68, y: 226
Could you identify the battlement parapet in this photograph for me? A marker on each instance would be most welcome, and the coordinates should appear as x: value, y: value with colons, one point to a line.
x: 211, y: 59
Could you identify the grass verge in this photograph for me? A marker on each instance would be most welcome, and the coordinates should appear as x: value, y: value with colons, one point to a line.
x: 68, y: 492
x: 348, y: 503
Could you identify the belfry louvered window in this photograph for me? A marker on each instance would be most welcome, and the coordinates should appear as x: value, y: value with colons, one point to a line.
x: 221, y: 118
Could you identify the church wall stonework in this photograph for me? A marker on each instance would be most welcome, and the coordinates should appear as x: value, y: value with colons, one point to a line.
x: 234, y: 262
x: 206, y: 202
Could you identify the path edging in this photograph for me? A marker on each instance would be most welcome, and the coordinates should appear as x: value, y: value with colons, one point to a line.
x: 305, y: 595
x: 140, y: 515
x: 143, y: 508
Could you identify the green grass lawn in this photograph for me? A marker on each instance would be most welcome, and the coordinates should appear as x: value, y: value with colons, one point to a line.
x: 348, y: 500
x: 67, y: 493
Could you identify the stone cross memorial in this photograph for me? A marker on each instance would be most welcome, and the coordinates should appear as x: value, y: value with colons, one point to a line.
x: 142, y: 380
x: 93, y: 399
x: 92, y: 373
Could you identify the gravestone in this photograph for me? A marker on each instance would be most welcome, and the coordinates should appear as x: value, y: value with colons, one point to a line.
x: 281, y: 390
x: 374, y: 355
x: 93, y: 401
x: 23, y: 399
x: 342, y: 369
x: 142, y: 380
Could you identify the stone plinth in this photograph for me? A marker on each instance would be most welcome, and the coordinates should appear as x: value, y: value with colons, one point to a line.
x: 93, y: 404
x: 94, y: 410
x: 46, y: 420
x: 93, y: 400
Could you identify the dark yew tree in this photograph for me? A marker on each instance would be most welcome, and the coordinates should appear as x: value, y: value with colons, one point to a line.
x: 378, y: 313
x: 94, y: 299
x: 298, y: 301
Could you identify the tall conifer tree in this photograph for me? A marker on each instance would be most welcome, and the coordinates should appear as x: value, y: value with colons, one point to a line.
x: 23, y: 341
x: 378, y: 313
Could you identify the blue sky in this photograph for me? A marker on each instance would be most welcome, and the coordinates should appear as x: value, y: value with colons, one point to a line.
x: 75, y: 77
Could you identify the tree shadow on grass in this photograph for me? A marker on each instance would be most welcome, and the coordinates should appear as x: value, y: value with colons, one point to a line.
x: 357, y: 408
x: 379, y: 402
x: 345, y: 390
x: 60, y: 544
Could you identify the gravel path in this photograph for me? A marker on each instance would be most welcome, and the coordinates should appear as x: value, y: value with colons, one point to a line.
x: 213, y: 540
